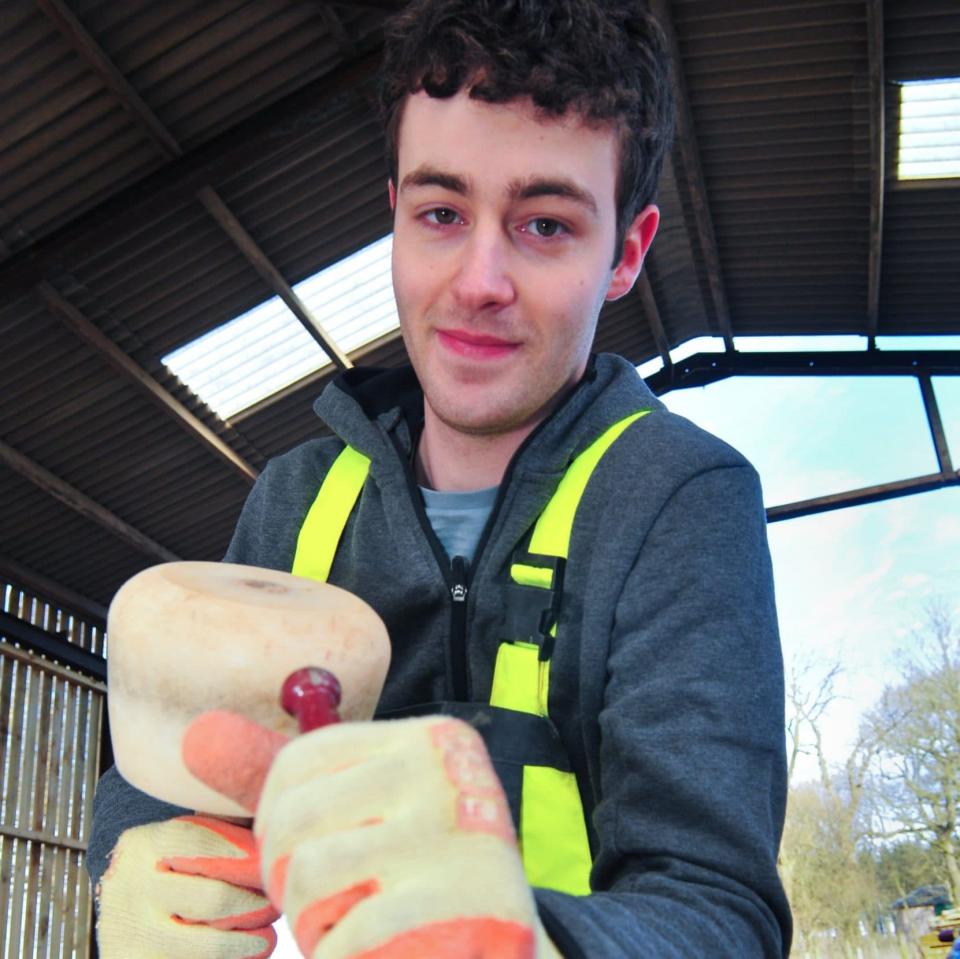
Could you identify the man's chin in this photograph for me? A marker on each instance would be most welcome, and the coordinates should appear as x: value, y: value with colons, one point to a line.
x: 471, y: 421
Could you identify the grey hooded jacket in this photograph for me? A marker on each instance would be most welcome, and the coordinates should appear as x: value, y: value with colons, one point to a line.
x: 666, y: 682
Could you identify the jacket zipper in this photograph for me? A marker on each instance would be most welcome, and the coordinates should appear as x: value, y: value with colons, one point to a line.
x: 455, y: 573
x: 458, y: 629
x: 454, y: 576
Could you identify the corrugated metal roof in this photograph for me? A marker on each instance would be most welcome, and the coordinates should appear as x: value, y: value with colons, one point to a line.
x: 922, y: 39
x: 921, y: 240
x: 921, y: 253
x: 675, y: 267
x: 779, y: 103
x: 269, y: 104
x: 66, y: 142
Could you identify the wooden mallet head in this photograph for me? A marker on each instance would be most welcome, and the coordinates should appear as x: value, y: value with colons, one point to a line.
x: 187, y: 638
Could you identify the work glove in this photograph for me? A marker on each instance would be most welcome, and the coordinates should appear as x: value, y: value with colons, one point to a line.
x: 186, y: 888
x: 387, y: 840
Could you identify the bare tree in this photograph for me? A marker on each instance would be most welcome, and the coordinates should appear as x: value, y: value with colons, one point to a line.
x: 831, y: 888
x: 917, y: 726
x: 831, y: 885
x: 810, y: 692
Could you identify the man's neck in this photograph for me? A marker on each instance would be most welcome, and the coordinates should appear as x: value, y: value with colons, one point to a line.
x: 451, y: 461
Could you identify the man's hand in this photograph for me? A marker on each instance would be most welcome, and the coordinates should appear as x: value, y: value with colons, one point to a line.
x: 383, y: 840
x: 187, y: 887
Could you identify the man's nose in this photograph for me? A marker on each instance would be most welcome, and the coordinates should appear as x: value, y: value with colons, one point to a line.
x: 483, y: 277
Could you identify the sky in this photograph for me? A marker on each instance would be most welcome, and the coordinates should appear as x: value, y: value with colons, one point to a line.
x: 851, y: 584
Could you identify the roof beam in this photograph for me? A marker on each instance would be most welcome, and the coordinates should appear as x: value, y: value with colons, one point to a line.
x: 652, y: 313
x: 860, y: 497
x: 53, y: 646
x: 271, y: 275
x: 51, y: 592
x: 338, y: 31
x: 387, y: 6
x: 937, y: 432
x: 82, y: 504
x: 93, y: 55
x: 703, y: 369
x: 877, y: 161
x: 693, y: 171
x: 108, y: 351
x: 176, y: 184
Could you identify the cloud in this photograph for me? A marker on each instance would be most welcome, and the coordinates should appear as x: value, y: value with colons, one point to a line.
x: 851, y: 584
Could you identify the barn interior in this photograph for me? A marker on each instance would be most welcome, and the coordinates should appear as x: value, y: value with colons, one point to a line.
x: 167, y: 169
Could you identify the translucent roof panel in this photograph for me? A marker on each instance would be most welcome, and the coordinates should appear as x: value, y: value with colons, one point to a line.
x: 929, y: 130
x: 353, y: 299
x: 800, y: 344
x: 258, y: 353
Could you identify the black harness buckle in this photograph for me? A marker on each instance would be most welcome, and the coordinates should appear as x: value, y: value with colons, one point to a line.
x: 531, y: 612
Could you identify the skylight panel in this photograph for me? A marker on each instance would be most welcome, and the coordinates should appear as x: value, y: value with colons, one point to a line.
x: 353, y: 299
x: 699, y: 344
x: 266, y: 349
x: 651, y: 366
x: 828, y: 343
x: 929, y: 130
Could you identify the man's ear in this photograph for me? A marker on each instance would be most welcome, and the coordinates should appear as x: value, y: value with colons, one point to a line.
x: 392, y: 193
x: 636, y: 242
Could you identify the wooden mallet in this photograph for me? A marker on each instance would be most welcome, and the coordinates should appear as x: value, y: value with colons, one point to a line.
x: 187, y: 638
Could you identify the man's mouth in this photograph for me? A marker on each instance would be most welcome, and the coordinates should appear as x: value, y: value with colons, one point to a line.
x: 478, y: 346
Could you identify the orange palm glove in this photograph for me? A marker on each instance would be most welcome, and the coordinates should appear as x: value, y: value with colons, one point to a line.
x: 187, y: 887
x: 387, y: 840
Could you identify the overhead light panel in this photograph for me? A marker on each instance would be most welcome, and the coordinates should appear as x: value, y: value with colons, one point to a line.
x: 929, y: 130
x: 264, y: 350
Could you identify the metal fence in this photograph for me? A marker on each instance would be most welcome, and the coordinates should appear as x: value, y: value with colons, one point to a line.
x: 51, y: 738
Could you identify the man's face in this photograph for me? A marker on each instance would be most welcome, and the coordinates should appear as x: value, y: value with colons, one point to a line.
x: 503, y: 238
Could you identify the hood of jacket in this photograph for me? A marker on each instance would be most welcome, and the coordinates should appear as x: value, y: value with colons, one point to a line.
x: 380, y: 411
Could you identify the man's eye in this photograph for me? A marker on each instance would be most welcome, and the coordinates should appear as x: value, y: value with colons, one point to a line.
x: 443, y: 216
x: 544, y: 227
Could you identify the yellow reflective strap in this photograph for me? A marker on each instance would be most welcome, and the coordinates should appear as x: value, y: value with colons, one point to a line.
x: 551, y: 535
x: 553, y: 834
x: 531, y: 575
x: 327, y: 517
x: 520, y: 681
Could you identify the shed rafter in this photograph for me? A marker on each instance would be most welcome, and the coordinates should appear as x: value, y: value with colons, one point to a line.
x: 935, y: 422
x: 246, y: 244
x: 53, y: 646
x: 652, y: 312
x: 79, y: 502
x: 32, y: 581
x: 122, y: 363
x: 338, y: 29
x: 274, y: 128
x: 385, y: 6
x: 686, y: 141
x: 91, y: 53
x: 877, y: 161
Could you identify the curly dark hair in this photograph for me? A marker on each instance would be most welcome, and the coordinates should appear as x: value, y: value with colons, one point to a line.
x: 604, y: 59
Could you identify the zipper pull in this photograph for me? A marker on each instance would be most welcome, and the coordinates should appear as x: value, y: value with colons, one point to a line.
x: 458, y: 591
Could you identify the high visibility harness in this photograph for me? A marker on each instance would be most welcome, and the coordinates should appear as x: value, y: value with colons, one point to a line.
x: 545, y: 798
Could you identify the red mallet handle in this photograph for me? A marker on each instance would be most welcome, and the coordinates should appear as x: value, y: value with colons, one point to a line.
x: 312, y: 695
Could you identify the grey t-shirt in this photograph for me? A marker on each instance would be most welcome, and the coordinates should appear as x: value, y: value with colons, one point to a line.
x: 458, y: 518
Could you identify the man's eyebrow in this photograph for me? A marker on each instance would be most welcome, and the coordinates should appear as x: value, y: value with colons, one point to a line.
x: 547, y: 186
x: 430, y: 176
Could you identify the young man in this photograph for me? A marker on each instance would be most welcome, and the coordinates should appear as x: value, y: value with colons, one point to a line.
x: 580, y: 575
